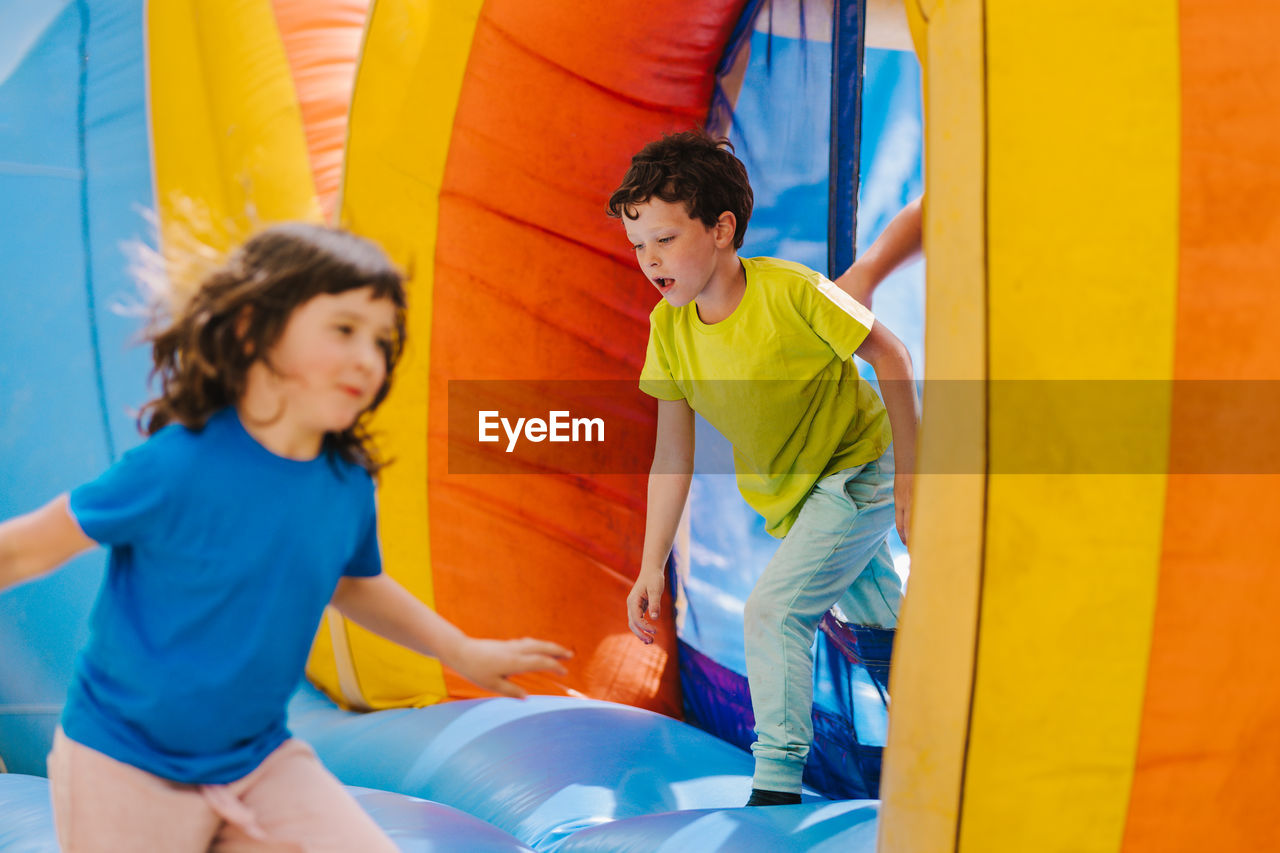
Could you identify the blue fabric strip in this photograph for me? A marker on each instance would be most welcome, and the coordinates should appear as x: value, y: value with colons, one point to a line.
x: 741, y: 36
x: 95, y: 346
x: 847, y: 48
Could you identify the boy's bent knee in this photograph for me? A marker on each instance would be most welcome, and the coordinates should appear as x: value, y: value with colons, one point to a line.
x: 761, y: 615
x: 766, y: 620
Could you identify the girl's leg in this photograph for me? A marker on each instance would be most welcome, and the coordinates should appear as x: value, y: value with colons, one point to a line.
x: 841, y: 527
x: 291, y: 802
x: 101, y: 805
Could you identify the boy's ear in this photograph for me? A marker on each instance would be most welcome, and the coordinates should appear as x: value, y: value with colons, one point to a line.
x: 726, y: 226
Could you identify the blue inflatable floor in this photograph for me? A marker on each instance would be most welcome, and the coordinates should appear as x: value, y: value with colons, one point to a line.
x: 576, y: 775
x: 548, y: 774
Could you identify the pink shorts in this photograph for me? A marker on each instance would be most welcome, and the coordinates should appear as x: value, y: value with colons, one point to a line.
x: 290, y: 802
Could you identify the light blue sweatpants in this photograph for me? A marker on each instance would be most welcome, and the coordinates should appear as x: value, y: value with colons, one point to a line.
x: 837, y: 551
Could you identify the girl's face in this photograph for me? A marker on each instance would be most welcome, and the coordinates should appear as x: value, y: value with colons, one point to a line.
x: 330, y: 361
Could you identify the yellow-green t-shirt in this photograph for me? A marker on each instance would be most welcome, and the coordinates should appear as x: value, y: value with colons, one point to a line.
x: 776, y: 378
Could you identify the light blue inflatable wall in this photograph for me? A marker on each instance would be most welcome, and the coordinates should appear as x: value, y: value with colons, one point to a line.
x: 74, y: 176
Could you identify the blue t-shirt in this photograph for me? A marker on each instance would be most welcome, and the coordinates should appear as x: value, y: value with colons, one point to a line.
x: 223, y: 557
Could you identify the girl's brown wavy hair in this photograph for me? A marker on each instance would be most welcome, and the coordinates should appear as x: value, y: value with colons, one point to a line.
x: 202, y: 356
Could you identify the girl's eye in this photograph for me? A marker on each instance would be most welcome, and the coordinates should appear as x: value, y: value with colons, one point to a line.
x: 344, y: 329
x: 384, y: 344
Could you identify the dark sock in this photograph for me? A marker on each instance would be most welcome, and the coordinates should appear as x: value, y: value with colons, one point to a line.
x: 761, y: 797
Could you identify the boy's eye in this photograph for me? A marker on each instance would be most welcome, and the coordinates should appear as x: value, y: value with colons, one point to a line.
x: 665, y: 239
x: 637, y: 246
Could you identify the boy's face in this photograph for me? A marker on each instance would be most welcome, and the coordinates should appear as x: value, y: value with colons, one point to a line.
x: 678, y: 254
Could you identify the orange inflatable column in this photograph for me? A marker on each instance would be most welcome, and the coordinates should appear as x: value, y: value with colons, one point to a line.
x: 1208, y: 763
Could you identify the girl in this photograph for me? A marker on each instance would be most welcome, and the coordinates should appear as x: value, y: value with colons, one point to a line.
x: 247, y: 511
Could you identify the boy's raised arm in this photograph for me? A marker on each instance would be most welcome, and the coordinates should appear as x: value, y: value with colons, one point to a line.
x: 669, y: 479
x: 892, y: 364
x: 40, y: 541
x: 901, y: 241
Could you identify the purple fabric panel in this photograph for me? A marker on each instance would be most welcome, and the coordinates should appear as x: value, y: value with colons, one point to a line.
x: 718, y: 700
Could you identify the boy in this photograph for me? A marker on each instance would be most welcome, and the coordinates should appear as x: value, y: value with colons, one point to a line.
x: 811, y: 439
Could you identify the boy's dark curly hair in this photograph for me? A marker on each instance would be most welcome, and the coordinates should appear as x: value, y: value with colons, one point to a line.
x: 690, y: 167
x: 202, y: 356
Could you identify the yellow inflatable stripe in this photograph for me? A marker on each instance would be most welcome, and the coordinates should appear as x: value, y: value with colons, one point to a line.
x: 918, y: 12
x: 1083, y: 244
x: 228, y: 148
x: 934, y: 651
x: 406, y: 94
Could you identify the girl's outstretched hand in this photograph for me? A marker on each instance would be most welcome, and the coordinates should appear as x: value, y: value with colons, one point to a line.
x: 490, y: 663
x: 383, y: 606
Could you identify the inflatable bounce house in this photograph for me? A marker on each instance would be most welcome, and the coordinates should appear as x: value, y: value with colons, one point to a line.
x: 1086, y: 661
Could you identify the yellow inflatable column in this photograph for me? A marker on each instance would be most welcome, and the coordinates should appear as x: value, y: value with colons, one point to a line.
x: 932, y: 678
x: 1083, y: 184
x: 1076, y: 110
x: 401, y: 126
x: 228, y: 149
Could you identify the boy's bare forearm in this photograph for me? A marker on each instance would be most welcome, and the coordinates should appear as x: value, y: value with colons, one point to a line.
x: 900, y: 403
x: 892, y: 363
x: 669, y: 479
x: 667, y: 495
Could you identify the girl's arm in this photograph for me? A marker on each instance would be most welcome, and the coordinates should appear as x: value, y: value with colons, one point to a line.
x: 892, y: 364
x: 40, y: 541
x: 384, y: 607
x: 669, y: 479
x: 900, y: 242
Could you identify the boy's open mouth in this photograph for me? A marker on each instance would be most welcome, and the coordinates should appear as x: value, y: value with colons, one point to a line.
x: 664, y: 283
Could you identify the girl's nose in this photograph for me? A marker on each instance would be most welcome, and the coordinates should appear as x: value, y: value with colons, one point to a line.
x: 371, y: 358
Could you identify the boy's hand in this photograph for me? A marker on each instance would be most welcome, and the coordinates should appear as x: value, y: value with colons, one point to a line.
x: 643, y: 603
x: 904, y: 485
x: 490, y: 663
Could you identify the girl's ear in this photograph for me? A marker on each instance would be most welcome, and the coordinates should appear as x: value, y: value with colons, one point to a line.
x: 243, y: 321
x: 725, y: 228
